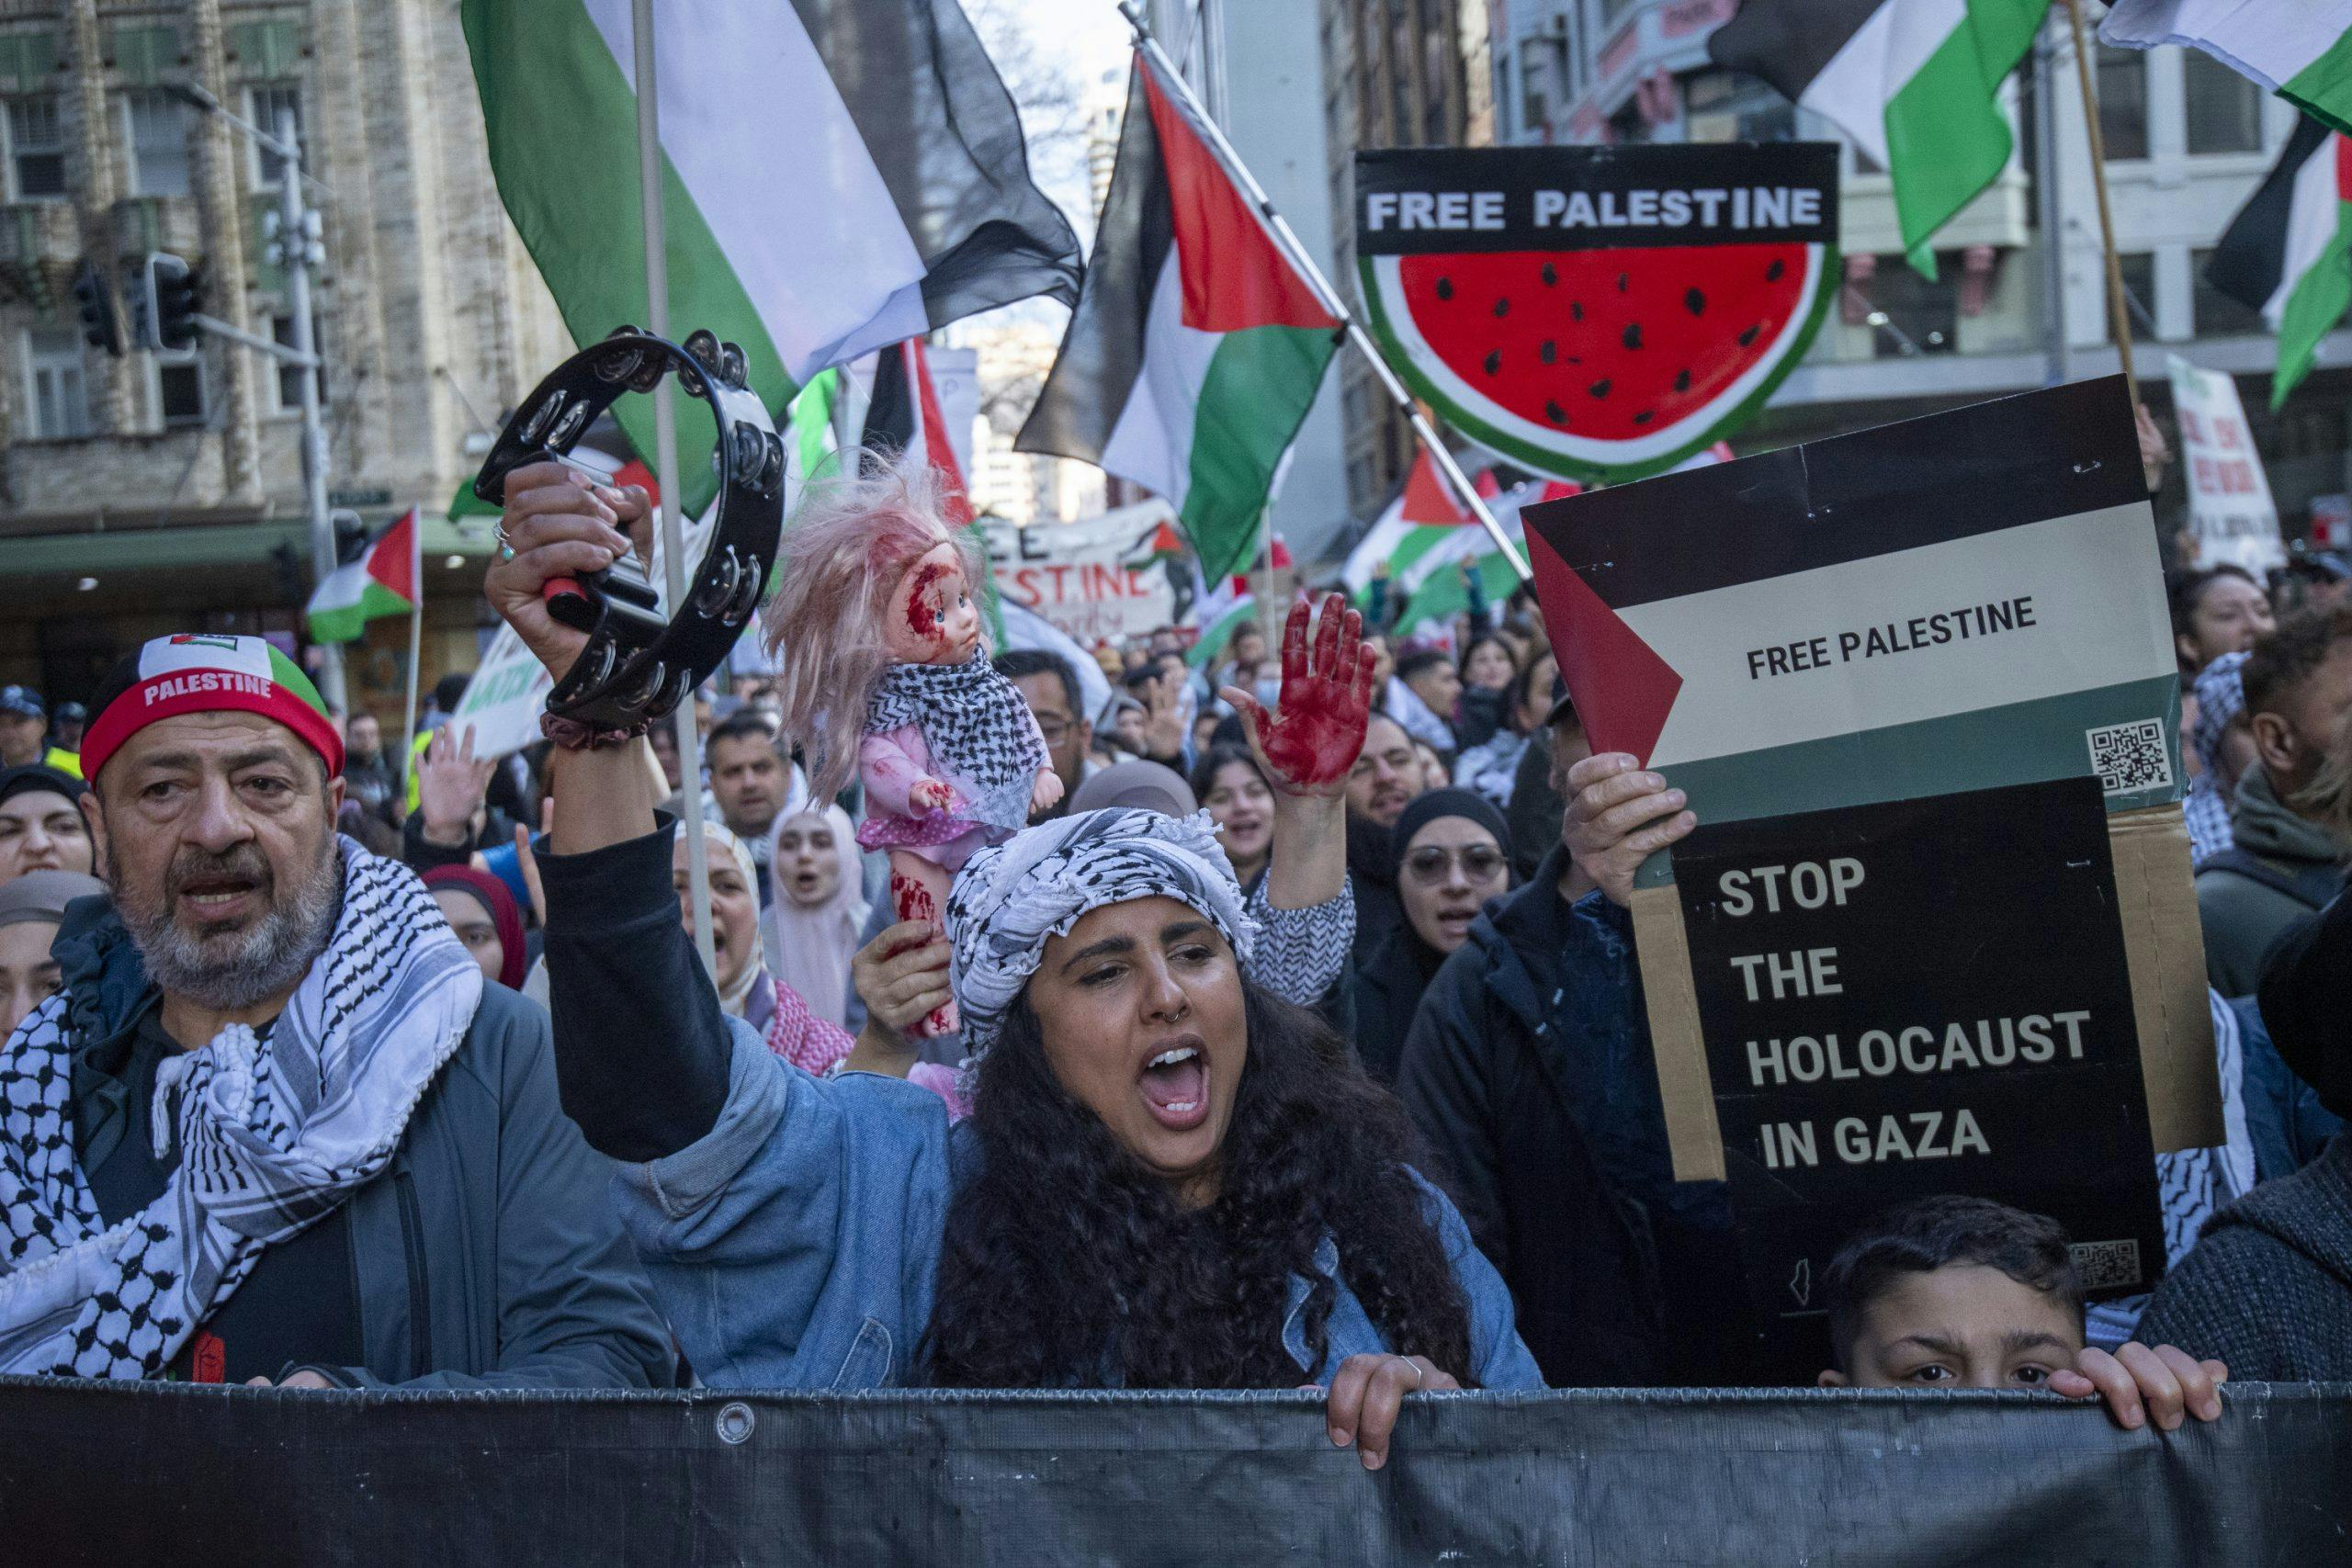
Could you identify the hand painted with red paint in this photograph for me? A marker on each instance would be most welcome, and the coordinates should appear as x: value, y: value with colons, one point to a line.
x: 1310, y: 741
x: 929, y: 795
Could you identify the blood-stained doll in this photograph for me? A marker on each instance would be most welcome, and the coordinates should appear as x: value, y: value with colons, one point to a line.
x: 883, y: 668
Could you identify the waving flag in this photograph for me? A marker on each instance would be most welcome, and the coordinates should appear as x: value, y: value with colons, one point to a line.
x: 2288, y: 253
x: 382, y: 582
x: 1196, y: 347
x: 903, y: 415
x: 2300, y: 50
x: 1914, y: 83
x: 838, y: 177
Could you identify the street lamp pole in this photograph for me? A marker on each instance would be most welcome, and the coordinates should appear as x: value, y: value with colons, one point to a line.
x: 296, y: 220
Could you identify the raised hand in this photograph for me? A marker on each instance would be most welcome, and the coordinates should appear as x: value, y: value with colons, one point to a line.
x: 1309, y: 742
x: 560, y: 524
x: 451, y: 785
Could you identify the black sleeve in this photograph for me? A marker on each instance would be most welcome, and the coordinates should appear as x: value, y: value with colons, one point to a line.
x: 2301, y: 997
x: 1444, y: 1080
x: 422, y: 855
x: 641, y: 1049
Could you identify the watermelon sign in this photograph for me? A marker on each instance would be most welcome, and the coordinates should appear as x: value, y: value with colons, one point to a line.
x: 1598, y: 312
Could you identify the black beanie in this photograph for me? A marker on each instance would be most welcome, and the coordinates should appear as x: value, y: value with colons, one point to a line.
x: 1423, y: 809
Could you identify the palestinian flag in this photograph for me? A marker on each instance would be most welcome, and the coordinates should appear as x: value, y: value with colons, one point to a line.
x: 2300, y: 50
x: 1915, y: 82
x: 382, y: 582
x: 1196, y: 347
x: 838, y: 176
x: 1423, y: 514
x: 903, y: 416
x: 2289, y: 252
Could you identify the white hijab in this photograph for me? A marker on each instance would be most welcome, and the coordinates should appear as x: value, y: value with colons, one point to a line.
x: 814, y: 942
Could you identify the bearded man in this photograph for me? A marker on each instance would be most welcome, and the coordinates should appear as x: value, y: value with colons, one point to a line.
x: 274, y: 1128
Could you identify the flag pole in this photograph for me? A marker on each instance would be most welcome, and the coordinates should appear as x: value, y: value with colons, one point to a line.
x: 1455, y: 479
x: 2119, y: 317
x: 415, y: 638
x: 665, y: 455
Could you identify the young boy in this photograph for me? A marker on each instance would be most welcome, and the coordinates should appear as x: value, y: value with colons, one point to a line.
x: 1965, y: 1292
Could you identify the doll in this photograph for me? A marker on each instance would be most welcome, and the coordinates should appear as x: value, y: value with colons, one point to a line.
x: 882, y: 666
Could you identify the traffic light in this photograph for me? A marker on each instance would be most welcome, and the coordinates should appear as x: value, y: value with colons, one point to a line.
x: 170, y: 297
x: 100, y: 327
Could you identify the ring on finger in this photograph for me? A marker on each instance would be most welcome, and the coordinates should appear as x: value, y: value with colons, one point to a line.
x: 1417, y: 1377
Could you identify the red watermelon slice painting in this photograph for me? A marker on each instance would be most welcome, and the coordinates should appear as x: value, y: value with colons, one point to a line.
x: 1598, y: 312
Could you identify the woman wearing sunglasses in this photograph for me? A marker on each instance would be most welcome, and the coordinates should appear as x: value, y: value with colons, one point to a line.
x: 1452, y: 854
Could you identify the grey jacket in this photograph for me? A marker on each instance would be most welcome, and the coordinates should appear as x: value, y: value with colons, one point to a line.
x: 487, y: 1254
x: 2269, y: 1287
x: 2242, y: 915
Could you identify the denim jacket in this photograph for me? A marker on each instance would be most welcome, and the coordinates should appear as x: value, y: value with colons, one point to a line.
x: 797, y: 1243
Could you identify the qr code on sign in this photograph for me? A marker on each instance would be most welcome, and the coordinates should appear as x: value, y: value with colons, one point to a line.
x: 2106, y: 1265
x: 2130, y: 756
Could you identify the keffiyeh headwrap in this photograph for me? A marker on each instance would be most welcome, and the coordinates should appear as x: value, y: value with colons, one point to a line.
x: 1011, y: 898
x: 273, y: 1132
x: 981, y: 737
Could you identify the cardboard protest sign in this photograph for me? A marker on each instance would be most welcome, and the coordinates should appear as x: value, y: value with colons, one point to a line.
x: 1598, y: 312
x: 1960, y: 602
x: 1888, y: 1016
x: 1107, y: 577
x: 2231, y: 514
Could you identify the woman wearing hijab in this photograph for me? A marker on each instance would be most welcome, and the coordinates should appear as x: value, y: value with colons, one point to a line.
x: 817, y: 909
x: 782, y: 1019
x: 486, y: 919
x: 1452, y: 854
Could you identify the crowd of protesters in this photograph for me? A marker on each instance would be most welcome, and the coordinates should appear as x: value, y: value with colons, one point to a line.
x: 333, y: 1067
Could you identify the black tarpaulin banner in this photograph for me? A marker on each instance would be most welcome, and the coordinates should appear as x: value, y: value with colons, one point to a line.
x: 118, y: 1474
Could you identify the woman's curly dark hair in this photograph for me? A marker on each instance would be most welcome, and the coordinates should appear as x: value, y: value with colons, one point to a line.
x: 1068, y: 1264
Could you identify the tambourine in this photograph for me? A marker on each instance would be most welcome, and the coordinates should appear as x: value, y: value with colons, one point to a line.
x: 637, y: 666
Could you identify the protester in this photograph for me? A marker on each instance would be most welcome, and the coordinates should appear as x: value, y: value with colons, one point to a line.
x: 65, y: 727
x: 483, y: 914
x: 1424, y: 696
x: 1489, y: 667
x: 1049, y: 686
x: 817, y: 909
x: 1452, y: 854
x: 2216, y: 610
x: 24, y: 733
x: 448, y: 693
x: 202, y: 1213
x: 754, y: 784
x: 31, y: 909
x: 1229, y: 783
x: 2283, y: 863
x: 369, y: 780
x: 1535, y: 808
x: 2224, y: 747
x: 1126, y: 724
x: 1965, y: 1292
x: 1491, y: 767
x: 1386, y: 776
x: 41, y: 827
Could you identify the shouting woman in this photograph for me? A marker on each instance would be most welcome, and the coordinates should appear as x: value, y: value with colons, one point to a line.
x: 1171, y: 1178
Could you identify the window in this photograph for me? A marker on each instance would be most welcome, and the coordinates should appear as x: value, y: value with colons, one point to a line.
x: 289, y: 376
x: 2217, y: 314
x: 57, y: 397
x: 1723, y: 106
x: 36, y: 151
x: 179, y: 388
x: 1534, y: 89
x: 1911, y: 315
x: 2138, y: 271
x: 2224, y: 108
x: 2123, y: 102
x: 155, y: 127
x: 264, y: 105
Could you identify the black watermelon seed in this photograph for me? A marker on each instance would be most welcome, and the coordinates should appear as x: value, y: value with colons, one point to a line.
x: 1547, y: 351
x: 1632, y: 334
x: 1551, y: 274
x: 1748, y: 337
x: 1502, y: 306
x: 1576, y: 310
x: 1643, y: 417
x: 1576, y: 359
x: 1622, y: 278
x: 1600, y: 388
x: 1494, y: 360
x: 1773, y: 273
x: 1682, y: 380
x: 1694, y: 301
x: 1555, y: 413
x: 1446, y: 289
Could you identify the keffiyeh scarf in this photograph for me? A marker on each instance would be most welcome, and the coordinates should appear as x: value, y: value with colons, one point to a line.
x: 272, y: 1135
x: 1011, y: 898
x: 981, y: 737
x: 2220, y: 697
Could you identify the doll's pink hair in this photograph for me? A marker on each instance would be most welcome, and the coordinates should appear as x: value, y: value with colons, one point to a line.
x: 853, y: 535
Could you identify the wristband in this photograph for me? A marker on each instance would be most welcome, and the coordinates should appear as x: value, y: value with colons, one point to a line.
x: 574, y: 735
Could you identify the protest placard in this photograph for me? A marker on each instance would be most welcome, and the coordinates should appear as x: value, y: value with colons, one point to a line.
x: 2231, y: 515
x: 1107, y: 577
x: 1957, y: 603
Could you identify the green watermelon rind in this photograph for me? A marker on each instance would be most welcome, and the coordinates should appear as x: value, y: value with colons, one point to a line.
x: 1546, y: 459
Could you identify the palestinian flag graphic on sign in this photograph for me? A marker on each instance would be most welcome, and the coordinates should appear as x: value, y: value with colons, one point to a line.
x: 1598, y: 312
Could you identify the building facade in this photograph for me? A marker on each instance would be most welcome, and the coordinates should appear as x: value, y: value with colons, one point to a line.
x: 164, y: 492
x: 2186, y: 140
